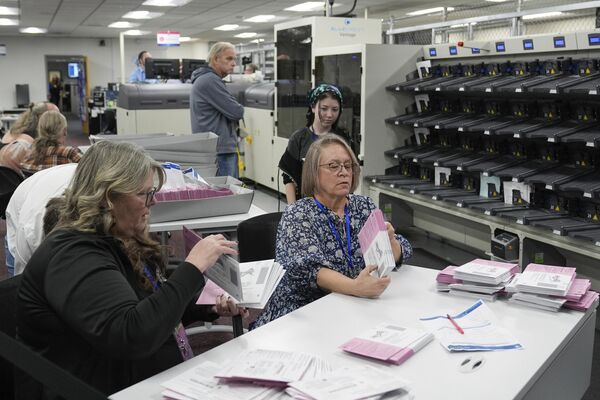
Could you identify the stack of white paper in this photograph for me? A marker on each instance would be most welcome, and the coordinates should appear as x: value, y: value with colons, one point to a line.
x: 546, y: 279
x: 486, y: 271
x: 375, y: 244
x: 473, y: 329
x: 352, y: 384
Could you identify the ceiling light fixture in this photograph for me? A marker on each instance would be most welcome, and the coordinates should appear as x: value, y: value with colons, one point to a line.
x: 142, y: 15
x: 136, y: 32
x: 227, y: 27
x: 186, y: 39
x: 123, y: 24
x: 9, y: 11
x: 33, y: 30
x: 543, y: 15
x: 308, y: 6
x: 260, y: 18
x: 429, y: 11
x: 8, y: 22
x: 246, y: 35
x: 165, y: 3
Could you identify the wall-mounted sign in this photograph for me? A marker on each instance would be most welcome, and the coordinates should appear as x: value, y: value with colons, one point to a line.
x: 167, y: 38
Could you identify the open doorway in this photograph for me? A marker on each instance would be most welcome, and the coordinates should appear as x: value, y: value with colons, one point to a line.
x: 67, y: 87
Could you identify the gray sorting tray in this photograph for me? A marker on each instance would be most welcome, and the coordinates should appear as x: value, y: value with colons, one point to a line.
x: 205, y: 170
x: 204, y: 142
x: 177, y: 210
x: 183, y: 157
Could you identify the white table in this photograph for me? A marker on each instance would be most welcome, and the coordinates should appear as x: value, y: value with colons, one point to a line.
x: 555, y: 363
x: 222, y: 223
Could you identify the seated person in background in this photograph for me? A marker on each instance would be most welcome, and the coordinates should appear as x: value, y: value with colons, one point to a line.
x: 317, y: 239
x: 324, y: 112
x: 17, y: 142
x: 139, y: 73
x: 26, y: 208
x: 252, y: 74
x: 49, y: 149
x: 93, y: 298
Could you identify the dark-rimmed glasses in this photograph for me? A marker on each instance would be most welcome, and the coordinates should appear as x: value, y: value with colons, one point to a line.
x: 149, y: 195
x: 335, y: 167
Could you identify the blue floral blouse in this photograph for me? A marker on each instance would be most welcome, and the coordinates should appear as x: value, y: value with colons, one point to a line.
x: 305, y: 243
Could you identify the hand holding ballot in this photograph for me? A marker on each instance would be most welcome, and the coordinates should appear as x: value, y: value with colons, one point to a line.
x: 206, y: 252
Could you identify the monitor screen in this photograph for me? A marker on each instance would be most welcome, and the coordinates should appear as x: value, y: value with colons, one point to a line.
x: 162, y: 68
x: 189, y: 65
x: 432, y: 52
x: 500, y: 47
x: 453, y: 50
x: 475, y: 50
x: 527, y: 44
x: 559, y: 41
x: 594, y: 39
x: 73, y: 70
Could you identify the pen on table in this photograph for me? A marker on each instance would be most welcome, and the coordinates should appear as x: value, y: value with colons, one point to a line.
x: 458, y: 328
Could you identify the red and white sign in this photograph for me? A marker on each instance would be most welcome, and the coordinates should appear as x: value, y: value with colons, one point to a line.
x: 167, y: 38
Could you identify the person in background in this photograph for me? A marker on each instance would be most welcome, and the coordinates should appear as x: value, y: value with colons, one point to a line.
x: 54, y: 89
x: 252, y: 74
x: 139, y: 73
x: 324, y: 112
x: 26, y: 208
x: 93, y: 298
x: 49, y: 149
x: 317, y: 238
x: 214, y: 109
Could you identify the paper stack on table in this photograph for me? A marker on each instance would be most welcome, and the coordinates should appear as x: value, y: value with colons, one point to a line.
x: 473, y: 329
x: 375, y: 244
x: 389, y: 343
x: 551, y: 288
x: 478, y: 279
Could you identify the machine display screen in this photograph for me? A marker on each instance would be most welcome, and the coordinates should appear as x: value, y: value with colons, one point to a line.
x: 475, y: 50
x: 594, y: 39
x: 527, y: 44
x: 500, y: 47
x: 73, y: 70
x: 453, y: 50
x: 559, y: 41
x: 432, y: 52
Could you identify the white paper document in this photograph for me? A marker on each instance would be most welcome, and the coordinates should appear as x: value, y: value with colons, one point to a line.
x: 474, y: 329
x: 375, y: 244
x: 226, y: 274
x: 351, y: 384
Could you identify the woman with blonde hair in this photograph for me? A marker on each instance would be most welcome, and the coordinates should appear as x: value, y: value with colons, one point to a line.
x: 49, y: 149
x: 93, y: 297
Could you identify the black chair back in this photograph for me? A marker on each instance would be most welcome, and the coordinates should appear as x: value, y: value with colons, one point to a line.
x: 256, y: 237
x: 9, y: 180
x: 8, y: 325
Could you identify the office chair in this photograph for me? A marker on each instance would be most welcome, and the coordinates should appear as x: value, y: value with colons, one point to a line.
x: 9, y: 180
x: 16, y: 355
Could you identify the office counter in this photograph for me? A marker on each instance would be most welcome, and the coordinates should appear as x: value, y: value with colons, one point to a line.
x: 554, y: 364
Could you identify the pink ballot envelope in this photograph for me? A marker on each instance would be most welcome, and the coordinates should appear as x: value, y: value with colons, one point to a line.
x: 375, y: 244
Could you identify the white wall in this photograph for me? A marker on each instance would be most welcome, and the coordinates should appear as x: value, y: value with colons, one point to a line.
x: 24, y: 61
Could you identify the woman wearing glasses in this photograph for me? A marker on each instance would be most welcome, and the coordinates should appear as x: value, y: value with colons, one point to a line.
x: 317, y: 238
x: 93, y: 298
x: 324, y: 112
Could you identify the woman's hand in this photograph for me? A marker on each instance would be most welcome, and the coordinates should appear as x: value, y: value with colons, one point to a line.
x: 396, y: 246
x: 226, y: 307
x: 369, y: 286
x: 206, y: 252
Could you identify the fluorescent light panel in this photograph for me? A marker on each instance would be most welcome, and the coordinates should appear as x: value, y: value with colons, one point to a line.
x: 142, y: 15
x: 260, y: 18
x: 307, y: 6
x: 165, y: 3
x: 227, y: 27
x: 186, y: 39
x: 245, y: 35
x: 123, y: 24
x: 8, y: 22
x: 33, y: 30
x: 9, y: 11
x: 543, y: 15
x: 429, y: 11
x: 136, y: 32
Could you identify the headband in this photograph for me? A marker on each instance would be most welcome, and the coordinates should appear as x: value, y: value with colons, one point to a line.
x: 314, y: 94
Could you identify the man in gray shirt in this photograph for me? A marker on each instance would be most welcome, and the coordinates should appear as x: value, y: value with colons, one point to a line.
x: 214, y: 109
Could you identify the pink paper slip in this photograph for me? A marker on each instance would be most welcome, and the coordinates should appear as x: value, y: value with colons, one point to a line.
x: 584, y: 303
x: 210, y: 293
x: 578, y: 289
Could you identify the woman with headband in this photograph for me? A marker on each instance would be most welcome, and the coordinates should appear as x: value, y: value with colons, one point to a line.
x: 324, y: 112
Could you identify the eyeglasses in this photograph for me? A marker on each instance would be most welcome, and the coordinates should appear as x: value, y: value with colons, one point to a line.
x: 336, y: 167
x: 149, y: 196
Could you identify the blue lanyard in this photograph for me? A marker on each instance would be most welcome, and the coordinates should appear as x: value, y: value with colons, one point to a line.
x: 337, y: 234
x: 151, y: 278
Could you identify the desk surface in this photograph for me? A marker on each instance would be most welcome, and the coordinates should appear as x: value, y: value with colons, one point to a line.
x: 320, y: 327
x: 223, y: 222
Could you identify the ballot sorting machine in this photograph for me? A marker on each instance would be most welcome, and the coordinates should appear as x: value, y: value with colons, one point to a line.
x: 503, y: 136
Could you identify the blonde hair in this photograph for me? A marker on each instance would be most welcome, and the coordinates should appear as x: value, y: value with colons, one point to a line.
x: 27, y: 122
x: 310, y: 170
x: 52, y: 124
x: 216, y: 50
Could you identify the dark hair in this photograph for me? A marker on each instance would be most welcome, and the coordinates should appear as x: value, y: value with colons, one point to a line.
x: 52, y: 214
x: 139, y: 59
x: 319, y: 93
